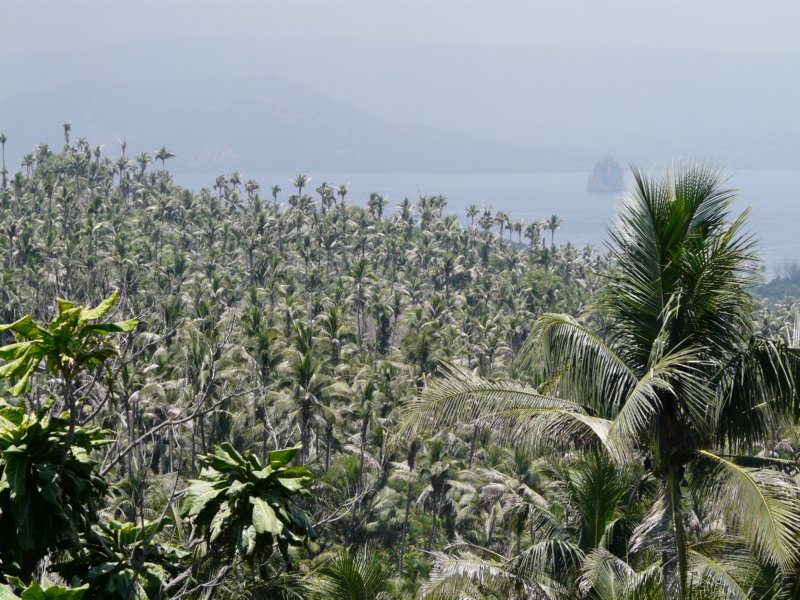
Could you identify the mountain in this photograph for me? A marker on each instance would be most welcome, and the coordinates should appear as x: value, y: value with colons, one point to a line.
x: 264, y: 124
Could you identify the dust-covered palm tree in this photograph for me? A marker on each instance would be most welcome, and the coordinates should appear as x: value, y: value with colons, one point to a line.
x: 675, y: 376
x: 472, y: 212
x: 163, y: 155
x: 308, y: 390
x: 300, y: 182
x: 551, y: 224
x: 3, y: 172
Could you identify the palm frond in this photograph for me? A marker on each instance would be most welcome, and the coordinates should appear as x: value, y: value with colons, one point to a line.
x: 720, y: 565
x: 764, y: 504
x: 467, y: 576
x: 577, y: 363
x: 757, y: 392
x: 514, y: 410
x: 350, y: 576
x: 608, y: 577
x: 677, y: 374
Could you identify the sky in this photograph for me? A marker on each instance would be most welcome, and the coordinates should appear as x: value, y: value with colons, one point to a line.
x: 638, y: 80
x: 762, y: 24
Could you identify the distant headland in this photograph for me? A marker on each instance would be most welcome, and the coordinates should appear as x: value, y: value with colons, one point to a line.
x: 607, y: 176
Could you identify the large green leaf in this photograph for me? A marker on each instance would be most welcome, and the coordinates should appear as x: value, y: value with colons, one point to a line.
x: 199, y: 502
x: 280, y: 458
x: 15, y: 470
x: 26, y: 328
x: 101, y: 309
x: 264, y: 518
x: 104, y: 328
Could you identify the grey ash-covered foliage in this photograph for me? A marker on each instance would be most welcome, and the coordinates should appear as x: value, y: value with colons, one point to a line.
x: 264, y: 318
x: 288, y: 392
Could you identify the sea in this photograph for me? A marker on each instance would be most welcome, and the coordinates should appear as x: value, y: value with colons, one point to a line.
x: 772, y: 197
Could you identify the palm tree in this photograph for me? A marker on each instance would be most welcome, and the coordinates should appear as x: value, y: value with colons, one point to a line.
x: 309, y: 390
x: 517, y: 226
x: 349, y: 575
x: 551, y: 224
x: 235, y: 180
x: 143, y: 160
x: 67, y: 128
x: 472, y: 212
x: 375, y: 204
x: 251, y: 187
x: 342, y: 190
x: 411, y: 458
x: 3, y: 172
x: 533, y: 233
x: 438, y: 472
x: 326, y: 196
x: 502, y: 219
x: 679, y: 379
x: 300, y: 182
x: 163, y: 155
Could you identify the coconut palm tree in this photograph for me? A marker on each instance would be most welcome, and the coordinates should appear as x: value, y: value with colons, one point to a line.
x: 348, y: 575
x: 67, y: 128
x: 678, y: 380
x: 143, y: 160
x: 342, y: 190
x: 300, y: 182
x: 533, y: 232
x: 3, y: 172
x: 163, y: 155
x: 551, y: 224
x: 308, y: 390
x: 472, y: 212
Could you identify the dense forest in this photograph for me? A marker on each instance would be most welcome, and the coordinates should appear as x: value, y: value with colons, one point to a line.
x: 292, y: 393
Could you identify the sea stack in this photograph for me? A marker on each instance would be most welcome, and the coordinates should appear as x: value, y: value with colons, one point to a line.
x: 607, y: 176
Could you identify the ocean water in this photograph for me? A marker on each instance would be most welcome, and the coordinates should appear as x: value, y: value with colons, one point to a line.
x: 773, y: 197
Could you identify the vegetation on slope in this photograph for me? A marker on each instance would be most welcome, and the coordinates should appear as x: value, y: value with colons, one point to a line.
x: 479, y: 413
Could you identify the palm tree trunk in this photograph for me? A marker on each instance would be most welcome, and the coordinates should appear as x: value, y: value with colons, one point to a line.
x: 328, y: 435
x: 264, y: 430
x: 432, y: 534
x: 472, y: 444
x: 674, y: 498
x: 364, y: 427
x: 304, y: 419
x: 405, y: 527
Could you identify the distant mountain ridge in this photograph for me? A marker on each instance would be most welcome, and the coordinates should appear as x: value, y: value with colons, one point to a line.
x: 269, y: 124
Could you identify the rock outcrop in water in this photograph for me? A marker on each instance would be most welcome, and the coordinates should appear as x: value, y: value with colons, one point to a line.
x: 607, y: 176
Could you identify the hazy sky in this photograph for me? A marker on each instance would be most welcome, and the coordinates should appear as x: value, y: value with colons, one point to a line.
x: 639, y: 80
x: 765, y: 24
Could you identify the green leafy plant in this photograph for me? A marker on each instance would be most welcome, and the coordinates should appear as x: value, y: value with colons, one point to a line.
x: 46, y: 500
x: 245, y: 506
x: 71, y: 341
x: 35, y: 591
x: 121, y: 561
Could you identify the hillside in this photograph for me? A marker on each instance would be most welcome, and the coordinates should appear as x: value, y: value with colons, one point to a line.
x: 254, y: 392
x: 265, y: 124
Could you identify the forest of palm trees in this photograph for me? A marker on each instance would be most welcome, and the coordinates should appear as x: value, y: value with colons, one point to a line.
x: 293, y: 393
